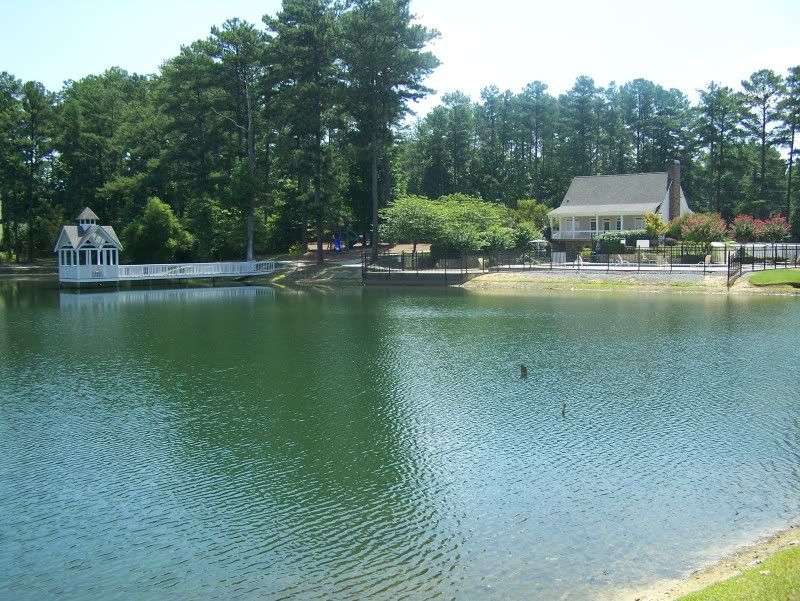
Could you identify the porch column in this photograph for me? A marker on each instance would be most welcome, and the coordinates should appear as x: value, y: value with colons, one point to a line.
x: 621, y: 223
x: 573, y: 227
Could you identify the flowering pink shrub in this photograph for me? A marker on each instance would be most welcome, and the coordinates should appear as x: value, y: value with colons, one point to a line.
x: 774, y: 229
x: 703, y: 227
x: 744, y: 228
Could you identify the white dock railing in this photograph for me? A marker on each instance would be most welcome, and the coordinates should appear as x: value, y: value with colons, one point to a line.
x: 166, y: 271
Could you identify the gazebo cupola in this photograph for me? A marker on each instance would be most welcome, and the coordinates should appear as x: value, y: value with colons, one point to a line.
x: 86, y: 219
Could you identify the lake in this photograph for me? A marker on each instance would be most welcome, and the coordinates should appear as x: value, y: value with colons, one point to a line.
x: 251, y: 443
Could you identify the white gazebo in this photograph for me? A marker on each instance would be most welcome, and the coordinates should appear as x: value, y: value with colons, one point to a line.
x: 87, y: 247
x: 89, y: 253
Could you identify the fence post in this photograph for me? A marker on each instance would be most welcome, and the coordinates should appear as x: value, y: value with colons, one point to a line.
x: 728, y: 259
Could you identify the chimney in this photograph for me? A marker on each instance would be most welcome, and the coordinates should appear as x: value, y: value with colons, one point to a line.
x: 674, y: 185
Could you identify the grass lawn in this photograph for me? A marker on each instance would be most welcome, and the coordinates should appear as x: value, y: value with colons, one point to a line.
x: 776, y: 277
x: 778, y: 579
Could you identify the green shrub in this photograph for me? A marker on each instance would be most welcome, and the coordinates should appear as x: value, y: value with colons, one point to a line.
x: 654, y: 225
x: 412, y: 219
x: 157, y: 235
x: 612, y: 242
x: 526, y: 231
x: 499, y: 237
x: 674, y: 227
x: 616, y: 241
x: 532, y: 211
x: 454, y: 222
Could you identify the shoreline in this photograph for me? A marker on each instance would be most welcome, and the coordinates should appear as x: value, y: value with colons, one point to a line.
x: 649, y: 283
x: 732, y: 564
x: 334, y: 275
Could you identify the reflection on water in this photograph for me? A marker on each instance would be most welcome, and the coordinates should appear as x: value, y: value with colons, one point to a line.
x: 97, y: 300
x: 381, y: 444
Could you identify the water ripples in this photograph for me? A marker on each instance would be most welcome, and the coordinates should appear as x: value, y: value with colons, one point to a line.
x: 382, y: 445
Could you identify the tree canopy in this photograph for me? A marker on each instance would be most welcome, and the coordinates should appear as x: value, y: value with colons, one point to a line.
x: 260, y: 133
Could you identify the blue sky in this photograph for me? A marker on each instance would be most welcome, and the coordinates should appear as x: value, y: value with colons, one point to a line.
x: 680, y: 43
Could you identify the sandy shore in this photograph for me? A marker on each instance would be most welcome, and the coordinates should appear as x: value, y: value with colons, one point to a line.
x: 729, y: 566
x: 649, y: 282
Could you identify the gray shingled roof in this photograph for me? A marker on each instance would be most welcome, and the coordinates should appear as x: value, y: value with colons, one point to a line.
x: 71, y: 232
x: 87, y: 214
x: 612, y: 194
x: 75, y: 240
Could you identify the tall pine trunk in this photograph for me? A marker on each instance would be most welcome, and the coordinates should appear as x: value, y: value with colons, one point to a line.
x: 251, y: 165
x: 318, y: 214
x: 791, y: 162
x: 30, y: 208
x: 763, y: 149
x: 303, y: 184
x: 374, y: 176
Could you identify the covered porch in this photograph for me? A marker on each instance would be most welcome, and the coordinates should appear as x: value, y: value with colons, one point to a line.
x: 586, y: 227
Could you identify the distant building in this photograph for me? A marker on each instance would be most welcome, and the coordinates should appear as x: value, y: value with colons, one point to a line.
x: 87, y: 243
x: 603, y: 203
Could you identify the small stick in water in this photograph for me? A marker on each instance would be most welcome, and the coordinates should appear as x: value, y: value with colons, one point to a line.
x: 563, y: 408
x: 523, y: 371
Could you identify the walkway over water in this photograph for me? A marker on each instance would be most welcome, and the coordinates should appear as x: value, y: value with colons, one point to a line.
x: 169, y: 271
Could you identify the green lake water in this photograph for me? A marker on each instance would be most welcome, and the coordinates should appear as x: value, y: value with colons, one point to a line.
x: 248, y: 443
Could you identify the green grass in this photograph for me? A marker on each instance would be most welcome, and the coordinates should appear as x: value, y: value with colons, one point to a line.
x: 781, y: 583
x: 777, y: 277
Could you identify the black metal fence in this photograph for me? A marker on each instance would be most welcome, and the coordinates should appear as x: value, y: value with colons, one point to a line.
x: 722, y: 259
x: 421, y: 262
x: 735, y: 266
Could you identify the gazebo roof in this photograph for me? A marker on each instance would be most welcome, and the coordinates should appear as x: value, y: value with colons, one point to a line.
x: 74, y: 240
x: 87, y: 214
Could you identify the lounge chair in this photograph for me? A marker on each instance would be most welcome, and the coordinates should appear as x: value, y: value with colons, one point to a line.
x: 620, y: 261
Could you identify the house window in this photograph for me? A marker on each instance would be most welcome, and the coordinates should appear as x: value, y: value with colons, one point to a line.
x: 639, y: 223
x: 606, y: 225
x: 593, y: 225
x: 619, y: 223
